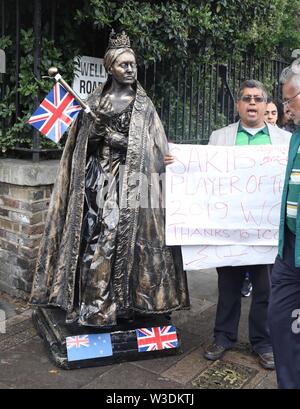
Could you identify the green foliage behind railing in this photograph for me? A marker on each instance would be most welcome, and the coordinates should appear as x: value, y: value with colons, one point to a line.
x: 15, y: 132
x: 186, y: 32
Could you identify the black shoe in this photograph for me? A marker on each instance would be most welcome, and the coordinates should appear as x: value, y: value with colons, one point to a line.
x: 247, y: 288
x: 266, y: 360
x: 214, y: 352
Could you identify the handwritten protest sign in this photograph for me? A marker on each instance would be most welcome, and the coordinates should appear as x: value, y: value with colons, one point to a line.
x: 224, y: 196
x: 199, y: 257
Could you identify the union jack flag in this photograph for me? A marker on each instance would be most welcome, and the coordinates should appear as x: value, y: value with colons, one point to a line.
x: 78, y: 341
x: 56, y: 113
x: 156, y: 338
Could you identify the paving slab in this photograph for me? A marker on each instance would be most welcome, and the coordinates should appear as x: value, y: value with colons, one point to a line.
x: 252, y: 384
x: 20, y: 317
x: 12, y: 306
x: 129, y: 376
x: 189, y: 341
x: 203, y: 284
x: 8, y: 309
x: 27, y: 366
x: 241, y: 354
x: 198, y: 306
x: 2, y: 386
x: 268, y: 382
x: 187, y: 368
x: 24, y: 362
x: 16, y: 334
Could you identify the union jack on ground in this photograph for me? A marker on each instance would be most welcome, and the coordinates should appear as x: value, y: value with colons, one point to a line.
x: 56, y: 113
x: 78, y: 341
x: 156, y: 338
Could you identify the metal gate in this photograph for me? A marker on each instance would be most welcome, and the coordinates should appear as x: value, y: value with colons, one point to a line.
x: 191, y: 101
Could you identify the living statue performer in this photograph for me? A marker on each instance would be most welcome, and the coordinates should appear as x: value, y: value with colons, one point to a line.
x: 103, y: 254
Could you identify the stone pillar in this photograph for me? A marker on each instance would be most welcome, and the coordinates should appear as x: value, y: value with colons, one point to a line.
x: 25, y: 190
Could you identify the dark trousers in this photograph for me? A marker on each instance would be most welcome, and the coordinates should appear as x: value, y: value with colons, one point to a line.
x: 230, y: 281
x: 284, y: 328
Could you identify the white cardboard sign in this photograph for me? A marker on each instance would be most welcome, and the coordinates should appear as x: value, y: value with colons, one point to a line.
x: 225, y: 196
x: 200, y: 257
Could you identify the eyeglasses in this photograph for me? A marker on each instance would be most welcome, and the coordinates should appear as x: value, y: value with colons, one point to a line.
x: 248, y: 98
x: 289, y: 100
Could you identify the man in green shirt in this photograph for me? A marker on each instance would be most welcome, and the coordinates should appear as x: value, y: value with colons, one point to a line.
x: 250, y: 130
x: 284, y: 308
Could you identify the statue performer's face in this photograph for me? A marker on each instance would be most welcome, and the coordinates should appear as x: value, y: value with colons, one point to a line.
x: 124, y: 69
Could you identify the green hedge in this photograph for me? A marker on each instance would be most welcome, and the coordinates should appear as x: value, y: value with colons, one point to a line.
x: 185, y: 32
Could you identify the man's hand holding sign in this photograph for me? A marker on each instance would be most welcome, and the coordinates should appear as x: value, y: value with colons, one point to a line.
x: 223, y: 203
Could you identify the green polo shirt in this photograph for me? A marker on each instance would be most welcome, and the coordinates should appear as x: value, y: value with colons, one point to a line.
x: 292, y: 202
x: 243, y: 137
x: 291, y: 168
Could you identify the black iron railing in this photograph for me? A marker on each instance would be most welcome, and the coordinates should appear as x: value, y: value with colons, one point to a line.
x: 191, y: 101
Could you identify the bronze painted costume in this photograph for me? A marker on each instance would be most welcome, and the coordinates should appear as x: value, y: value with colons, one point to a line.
x: 103, y: 253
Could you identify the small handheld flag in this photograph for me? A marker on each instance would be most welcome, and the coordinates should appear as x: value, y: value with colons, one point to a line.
x: 56, y: 113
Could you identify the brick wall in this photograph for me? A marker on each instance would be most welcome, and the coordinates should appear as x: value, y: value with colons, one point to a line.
x: 25, y: 190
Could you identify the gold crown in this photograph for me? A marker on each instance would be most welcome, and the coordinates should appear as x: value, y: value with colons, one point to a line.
x: 120, y: 40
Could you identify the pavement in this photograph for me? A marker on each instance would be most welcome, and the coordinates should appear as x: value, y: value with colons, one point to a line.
x: 24, y: 363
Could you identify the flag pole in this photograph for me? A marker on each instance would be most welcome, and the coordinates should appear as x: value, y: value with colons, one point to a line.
x: 53, y: 73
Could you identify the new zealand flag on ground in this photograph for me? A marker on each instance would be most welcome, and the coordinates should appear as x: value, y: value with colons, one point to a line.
x: 89, y: 346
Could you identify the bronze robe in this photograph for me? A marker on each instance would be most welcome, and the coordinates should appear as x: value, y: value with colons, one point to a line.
x: 132, y: 270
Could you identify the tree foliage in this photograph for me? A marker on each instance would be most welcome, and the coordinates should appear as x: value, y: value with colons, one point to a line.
x: 193, y: 30
x: 176, y: 32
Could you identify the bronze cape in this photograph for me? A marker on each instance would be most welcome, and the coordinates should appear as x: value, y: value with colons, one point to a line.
x: 132, y: 269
